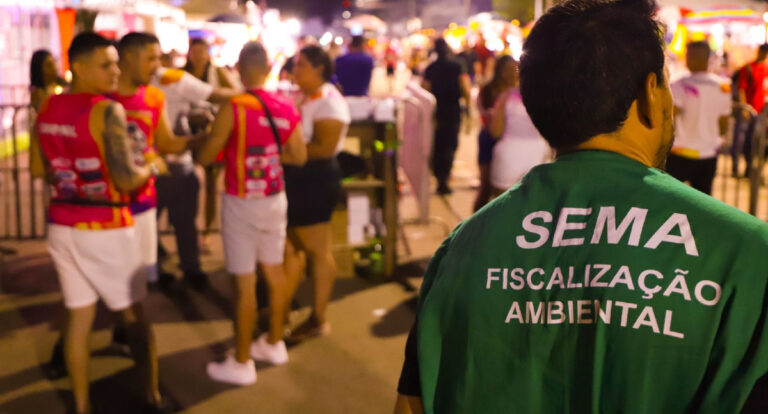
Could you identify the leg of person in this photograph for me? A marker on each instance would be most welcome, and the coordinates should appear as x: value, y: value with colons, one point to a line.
x: 271, y: 248
x: 80, y: 299
x: 485, y: 190
x: 294, y: 265
x: 211, y: 202
x: 439, y: 156
x: 315, y: 240
x: 704, y: 175
x: 163, y: 186
x: 183, y: 214
x: 748, y: 145
x: 144, y: 350
x: 446, y: 143
x: 239, y: 240
x: 737, y: 144
x: 76, y: 353
x: 245, y: 314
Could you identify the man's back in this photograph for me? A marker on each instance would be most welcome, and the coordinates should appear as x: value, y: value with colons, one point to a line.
x: 752, y: 82
x: 354, y: 72
x: 443, y: 74
x: 596, y: 285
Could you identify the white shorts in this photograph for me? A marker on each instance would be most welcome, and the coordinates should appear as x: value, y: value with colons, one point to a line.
x: 146, y: 237
x: 94, y: 264
x: 253, y: 231
x: 146, y: 234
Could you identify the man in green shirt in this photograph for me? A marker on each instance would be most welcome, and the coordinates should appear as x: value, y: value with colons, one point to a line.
x: 598, y: 284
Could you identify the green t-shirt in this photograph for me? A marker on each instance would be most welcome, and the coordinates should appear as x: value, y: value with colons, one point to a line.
x: 596, y: 285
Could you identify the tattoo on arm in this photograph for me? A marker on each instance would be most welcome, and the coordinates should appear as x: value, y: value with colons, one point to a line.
x: 118, y: 153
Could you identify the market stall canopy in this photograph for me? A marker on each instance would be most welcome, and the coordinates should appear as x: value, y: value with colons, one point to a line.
x: 367, y: 22
x: 722, y: 14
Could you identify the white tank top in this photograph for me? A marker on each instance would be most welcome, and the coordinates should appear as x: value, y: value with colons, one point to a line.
x: 520, y: 148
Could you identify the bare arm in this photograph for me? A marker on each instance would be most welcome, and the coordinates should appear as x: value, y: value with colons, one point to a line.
x: 466, y: 87
x: 38, y: 165
x: 327, y: 134
x: 217, y: 139
x: 225, y: 78
x: 295, y: 150
x: 222, y: 95
x: 407, y: 404
x: 123, y: 171
x: 722, y: 123
x: 167, y: 141
x: 498, y: 115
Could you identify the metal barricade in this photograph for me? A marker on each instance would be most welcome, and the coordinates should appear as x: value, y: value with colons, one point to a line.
x: 747, y: 193
x: 23, y: 200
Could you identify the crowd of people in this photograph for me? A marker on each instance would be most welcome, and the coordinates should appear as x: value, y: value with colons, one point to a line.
x: 120, y: 144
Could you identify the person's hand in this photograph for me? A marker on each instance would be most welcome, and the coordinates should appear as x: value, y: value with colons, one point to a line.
x: 199, y: 118
x: 160, y: 167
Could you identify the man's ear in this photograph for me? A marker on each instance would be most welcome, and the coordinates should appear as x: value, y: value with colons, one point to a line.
x: 647, y: 100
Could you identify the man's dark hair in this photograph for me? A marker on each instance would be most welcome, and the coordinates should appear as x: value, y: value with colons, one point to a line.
x: 318, y: 57
x: 197, y: 41
x: 134, y: 41
x: 441, y: 48
x: 357, y: 42
x: 584, y: 64
x: 253, y: 55
x: 85, y: 43
x: 699, y: 48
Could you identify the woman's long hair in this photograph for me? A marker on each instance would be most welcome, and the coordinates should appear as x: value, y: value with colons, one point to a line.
x: 490, y: 91
x: 36, y: 68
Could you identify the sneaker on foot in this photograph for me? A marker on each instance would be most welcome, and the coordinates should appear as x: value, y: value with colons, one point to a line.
x: 276, y: 354
x: 232, y: 372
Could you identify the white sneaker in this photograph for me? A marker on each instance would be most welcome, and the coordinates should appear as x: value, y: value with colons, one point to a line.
x: 276, y: 354
x: 232, y: 372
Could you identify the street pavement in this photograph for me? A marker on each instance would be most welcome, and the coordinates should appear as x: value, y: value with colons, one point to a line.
x: 352, y: 370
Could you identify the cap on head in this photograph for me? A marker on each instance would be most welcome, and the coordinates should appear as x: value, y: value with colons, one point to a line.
x: 84, y: 44
x: 135, y: 41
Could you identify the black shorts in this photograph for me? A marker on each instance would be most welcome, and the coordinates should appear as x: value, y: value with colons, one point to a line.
x: 313, y: 191
x: 390, y: 71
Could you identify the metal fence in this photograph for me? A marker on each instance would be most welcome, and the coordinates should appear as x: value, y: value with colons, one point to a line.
x: 23, y: 201
x: 747, y: 193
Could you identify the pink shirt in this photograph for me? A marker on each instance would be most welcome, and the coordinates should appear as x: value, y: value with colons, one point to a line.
x: 253, y: 168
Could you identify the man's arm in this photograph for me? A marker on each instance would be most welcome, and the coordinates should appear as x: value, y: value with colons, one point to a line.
x: 222, y: 95
x: 295, y: 150
x: 123, y: 171
x: 217, y: 139
x: 466, y: 87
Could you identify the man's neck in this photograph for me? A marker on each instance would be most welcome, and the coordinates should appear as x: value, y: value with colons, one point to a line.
x: 629, y: 141
x: 78, y: 87
x: 126, y: 86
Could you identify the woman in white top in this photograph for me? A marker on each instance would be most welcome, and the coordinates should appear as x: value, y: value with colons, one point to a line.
x: 520, y: 145
x: 314, y: 189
